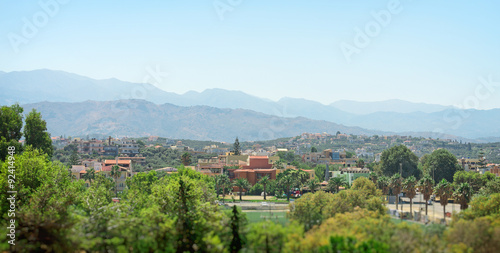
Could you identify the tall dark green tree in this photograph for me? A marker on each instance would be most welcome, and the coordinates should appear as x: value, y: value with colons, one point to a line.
x: 236, y: 147
x: 441, y: 164
x: 236, y: 223
x: 73, y: 159
x: 11, y: 122
x: 186, y: 158
x: 35, y: 132
x: 482, y: 159
x: 393, y: 157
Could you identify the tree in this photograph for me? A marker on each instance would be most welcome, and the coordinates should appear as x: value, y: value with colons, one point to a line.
x: 35, y: 133
x: 11, y: 122
x: 374, y: 177
x: 115, y: 174
x: 299, y: 176
x: 314, y: 150
x: 475, y: 180
x: 384, y: 185
x: 360, y: 163
x: 287, y: 156
x: 393, y: 157
x: 336, y: 183
x: 236, y: 147
x: 225, y: 183
x: 396, y: 186
x: 285, y: 181
x: 441, y: 164
x: 278, y: 165
x: 463, y: 194
x: 410, y: 189
x: 73, y: 159
x: 310, y: 209
x: 89, y: 175
x: 444, y: 191
x: 313, y: 184
x: 319, y: 172
x: 482, y: 160
x: 236, y: 224
x: 218, y: 181
x: 242, y: 184
x: 482, y: 206
x: 425, y: 185
x: 264, y: 181
x: 186, y: 158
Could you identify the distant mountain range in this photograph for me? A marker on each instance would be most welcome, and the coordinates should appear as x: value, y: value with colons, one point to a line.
x: 135, y: 118
x: 391, y: 115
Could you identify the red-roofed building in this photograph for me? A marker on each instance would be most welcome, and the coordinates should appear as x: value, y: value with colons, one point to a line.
x: 257, y: 162
x: 120, y: 162
x: 254, y: 175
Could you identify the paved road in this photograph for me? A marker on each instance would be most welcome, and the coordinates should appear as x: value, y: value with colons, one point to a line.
x: 435, y: 211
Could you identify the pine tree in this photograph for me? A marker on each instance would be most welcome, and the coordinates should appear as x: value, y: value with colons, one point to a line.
x: 236, y: 147
x: 35, y: 132
x: 236, y: 222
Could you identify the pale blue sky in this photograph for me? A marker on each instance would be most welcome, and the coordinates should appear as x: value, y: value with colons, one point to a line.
x: 430, y: 51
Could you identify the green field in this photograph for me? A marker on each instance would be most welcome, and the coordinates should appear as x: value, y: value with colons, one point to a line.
x: 263, y: 216
x: 397, y: 220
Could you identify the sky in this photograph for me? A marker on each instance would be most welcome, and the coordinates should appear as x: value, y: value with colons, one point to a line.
x: 439, y: 52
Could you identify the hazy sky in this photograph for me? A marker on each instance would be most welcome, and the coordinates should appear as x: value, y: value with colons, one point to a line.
x: 420, y: 51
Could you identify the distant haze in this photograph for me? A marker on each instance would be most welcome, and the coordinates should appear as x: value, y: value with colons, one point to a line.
x: 430, y: 52
x: 395, y: 116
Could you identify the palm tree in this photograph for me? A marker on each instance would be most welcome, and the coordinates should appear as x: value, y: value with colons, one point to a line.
x: 373, y: 177
x: 395, y: 184
x: 224, y: 183
x: 286, y: 181
x: 302, y: 177
x: 425, y: 185
x: 383, y: 185
x: 242, y: 184
x: 89, y: 175
x: 217, y: 180
x: 186, y: 158
x: 278, y: 165
x: 336, y: 183
x: 264, y: 181
x: 463, y: 194
x: 313, y: 184
x: 115, y: 174
x: 443, y: 190
x: 410, y: 189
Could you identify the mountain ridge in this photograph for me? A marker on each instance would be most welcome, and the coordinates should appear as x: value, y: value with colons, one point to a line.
x: 59, y: 86
x: 137, y: 118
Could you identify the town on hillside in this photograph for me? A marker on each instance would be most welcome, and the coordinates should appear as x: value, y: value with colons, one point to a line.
x: 340, y: 155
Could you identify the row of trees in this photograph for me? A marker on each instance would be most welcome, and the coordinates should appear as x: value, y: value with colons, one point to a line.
x: 285, y: 182
x: 463, y: 186
x: 35, y: 130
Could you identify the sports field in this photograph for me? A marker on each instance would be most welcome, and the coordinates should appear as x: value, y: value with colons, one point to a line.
x: 256, y: 216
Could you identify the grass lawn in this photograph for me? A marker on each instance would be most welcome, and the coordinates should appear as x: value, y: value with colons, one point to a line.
x: 262, y: 216
x: 269, y: 199
x: 397, y: 220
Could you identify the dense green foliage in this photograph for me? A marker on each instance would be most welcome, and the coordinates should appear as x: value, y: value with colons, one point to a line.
x: 399, y: 158
x: 441, y: 164
x: 177, y: 213
x: 35, y: 133
x: 11, y: 122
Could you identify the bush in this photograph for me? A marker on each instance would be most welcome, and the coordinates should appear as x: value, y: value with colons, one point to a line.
x: 257, y: 189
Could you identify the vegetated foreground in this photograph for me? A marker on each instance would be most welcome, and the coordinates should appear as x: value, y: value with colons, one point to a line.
x: 177, y: 213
